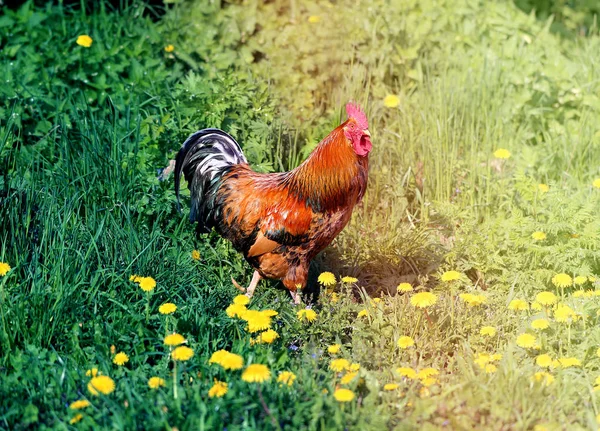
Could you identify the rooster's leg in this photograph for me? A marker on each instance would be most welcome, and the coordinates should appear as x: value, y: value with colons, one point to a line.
x: 295, y: 297
x: 255, y: 279
x: 250, y: 290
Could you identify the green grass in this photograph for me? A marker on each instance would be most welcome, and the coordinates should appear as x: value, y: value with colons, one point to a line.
x: 83, y: 133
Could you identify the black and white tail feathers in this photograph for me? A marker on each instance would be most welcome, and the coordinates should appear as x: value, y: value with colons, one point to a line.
x: 203, y: 158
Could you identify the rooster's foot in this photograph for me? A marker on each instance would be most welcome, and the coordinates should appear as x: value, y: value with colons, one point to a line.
x: 250, y: 290
x: 165, y: 172
x: 296, y: 297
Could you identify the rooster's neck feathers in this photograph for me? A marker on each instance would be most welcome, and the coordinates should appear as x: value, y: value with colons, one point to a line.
x: 332, y: 176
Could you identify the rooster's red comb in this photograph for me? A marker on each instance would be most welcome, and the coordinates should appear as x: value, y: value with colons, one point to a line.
x: 359, y: 116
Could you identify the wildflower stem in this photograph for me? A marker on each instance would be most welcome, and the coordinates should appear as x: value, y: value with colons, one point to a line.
x: 2, y: 301
x: 175, y: 379
x: 266, y: 409
x: 427, y: 316
x: 147, y: 307
x: 416, y: 328
x: 451, y: 310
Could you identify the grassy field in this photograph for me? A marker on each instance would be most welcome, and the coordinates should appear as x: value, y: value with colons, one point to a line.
x: 465, y: 293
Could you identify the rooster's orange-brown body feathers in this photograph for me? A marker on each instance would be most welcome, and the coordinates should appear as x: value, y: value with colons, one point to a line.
x: 279, y: 221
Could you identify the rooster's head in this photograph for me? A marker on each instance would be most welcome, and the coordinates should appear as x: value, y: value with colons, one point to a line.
x: 356, y: 130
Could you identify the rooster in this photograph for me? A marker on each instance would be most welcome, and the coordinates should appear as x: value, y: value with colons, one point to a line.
x: 279, y: 221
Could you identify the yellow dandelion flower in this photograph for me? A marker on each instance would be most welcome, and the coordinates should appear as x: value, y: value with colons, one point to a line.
x: 579, y: 280
x: 307, y: 315
x: 135, y: 278
x: 257, y: 321
x: 227, y: 360
x: 536, y: 306
x: 314, y: 19
x: 182, y: 353
x: 540, y: 324
x: 562, y: 280
x: 592, y: 279
x: 538, y: 236
x: 339, y: 365
x: 93, y: 372
x: 4, y: 268
x: 349, y: 279
x: 236, y: 310
x: 218, y: 356
x: 76, y: 418
x: 334, y: 348
x: 502, y: 153
x: 424, y: 392
x: 477, y: 300
x: 334, y: 297
x: 496, y: 357
x: 101, y: 385
x: 546, y: 379
x: 79, y: 404
x: 482, y: 359
x: 596, y: 183
x: 563, y: 313
x: 174, y: 339
x: 567, y: 362
x: 543, y: 188
x: 429, y: 381
x: 518, y: 305
x: 171, y: 48
x: 489, y: 331
x: 218, y: 389
x: 155, y: 382
x: 391, y: 101
x: 268, y: 336
x: 286, y: 378
x: 579, y: 294
x: 120, y: 359
x: 546, y: 298
x: 167, y: 308
x: 543, y: 361
x: 451, y: 276
x: 423, y: 299
x: 407, y: 372
x: 363, y: 313
x: 405, y: 287
x: 348, y: 377
x: 327, y: 279
x: 375, y: 301
x: 427, y: 372
x: 354, y: 367
x: 405, y: 342
x: 256, y: 373
x: 147, y: 284
x: 343, y: 395
x: 113, y: 349
x: 490, y: 368
x: 390, y: 386
x: 472, y: 300
x: 84, y: 40
x: 195, y: 253
x: 526, y: 341
x: 270, y: 313
x: 241, y: 300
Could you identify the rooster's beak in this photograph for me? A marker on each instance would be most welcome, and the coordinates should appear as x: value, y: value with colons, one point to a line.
x: 366, y: 132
